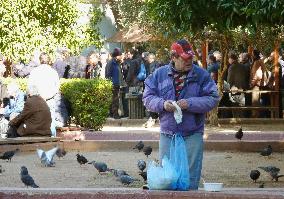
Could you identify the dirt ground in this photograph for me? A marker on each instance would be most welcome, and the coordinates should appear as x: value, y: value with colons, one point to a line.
x: 230, y: 168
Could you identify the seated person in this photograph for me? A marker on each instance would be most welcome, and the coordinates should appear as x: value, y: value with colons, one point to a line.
x: 16, y: 102
x: 35, y: 119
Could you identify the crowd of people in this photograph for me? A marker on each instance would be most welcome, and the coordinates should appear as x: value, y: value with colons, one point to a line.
x: 128, y: 70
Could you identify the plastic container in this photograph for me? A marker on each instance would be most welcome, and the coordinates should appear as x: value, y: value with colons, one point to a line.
x: 211, y: 186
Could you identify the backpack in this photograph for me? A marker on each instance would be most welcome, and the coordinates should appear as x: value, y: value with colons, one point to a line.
x: 142, y: 73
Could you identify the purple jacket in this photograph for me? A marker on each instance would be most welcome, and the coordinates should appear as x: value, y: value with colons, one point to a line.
x: 200, y: 91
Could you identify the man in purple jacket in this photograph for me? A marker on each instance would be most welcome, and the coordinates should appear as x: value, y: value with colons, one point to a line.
x: 193, y: 90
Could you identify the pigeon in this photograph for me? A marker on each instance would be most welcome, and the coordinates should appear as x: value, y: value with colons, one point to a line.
x: 266, y: 151
x: 239, y: 134
x: 118, y: 172
x: 60, y: 152
x: 254, y: 175
x: 26, y: 178
x: 143, y: 174
x: 46, y: 157
x: 275, y: 175
x: 273, y: 172
x: 81, y: 159
x: 100, y: 166
x: 139, y: 146
x: 147, y: 151
x: 126, y: 179
x: 141, y: 165
x: 8, y: 155
x: 270, y: 169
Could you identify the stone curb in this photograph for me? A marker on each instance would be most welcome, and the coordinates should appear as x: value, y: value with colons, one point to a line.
x: 124, y: 193
x: 140, y: 122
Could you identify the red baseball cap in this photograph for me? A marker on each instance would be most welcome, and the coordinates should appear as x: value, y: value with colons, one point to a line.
x: 183, y: 49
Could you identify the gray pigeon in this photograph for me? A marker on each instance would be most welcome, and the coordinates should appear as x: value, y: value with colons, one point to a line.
x: 126, y: 179
x: 8, y: 155
x: 147, y: 150
x: 139, y: 146
x: 26, y: 178
x: 270, y: 169
x: 275, y: 175
x: 118, y: 172
x: 141, y: 165
x: 46, y: 157
x: 60, y: 153
x: 100, y: 166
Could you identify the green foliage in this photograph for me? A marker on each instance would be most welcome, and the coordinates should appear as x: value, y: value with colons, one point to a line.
x: 27, y: 25
x: 90, y: 100
x: 22, y: 82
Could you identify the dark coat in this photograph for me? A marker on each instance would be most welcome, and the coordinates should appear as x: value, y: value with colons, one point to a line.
x: 35, y: 119
x: 237, y: 76
x: 133, y: 71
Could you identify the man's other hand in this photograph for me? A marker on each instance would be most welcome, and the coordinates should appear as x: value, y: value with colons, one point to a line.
x: 182, y: 104
x: 168, y: 106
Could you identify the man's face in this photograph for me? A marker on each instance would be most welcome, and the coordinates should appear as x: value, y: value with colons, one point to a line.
x: 129, y: 55
x: 182, y: 65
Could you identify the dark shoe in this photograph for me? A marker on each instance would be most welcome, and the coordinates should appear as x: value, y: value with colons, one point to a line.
x: 116, y: 117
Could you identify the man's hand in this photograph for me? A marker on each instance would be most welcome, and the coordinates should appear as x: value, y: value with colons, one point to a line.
x: 168, y: 106
x: 182, y: 104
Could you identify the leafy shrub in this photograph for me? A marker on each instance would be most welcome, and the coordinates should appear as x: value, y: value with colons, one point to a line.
x: 89, y: 99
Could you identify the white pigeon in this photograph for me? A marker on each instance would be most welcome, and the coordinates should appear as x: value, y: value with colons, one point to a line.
x: 46, y: 157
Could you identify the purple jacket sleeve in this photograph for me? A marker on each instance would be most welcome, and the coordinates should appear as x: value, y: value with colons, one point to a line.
x: 208, y: 99
x: 151, y: 99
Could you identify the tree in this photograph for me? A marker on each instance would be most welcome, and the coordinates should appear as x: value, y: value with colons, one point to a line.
x: 215, y: 18
x: 27, y: 25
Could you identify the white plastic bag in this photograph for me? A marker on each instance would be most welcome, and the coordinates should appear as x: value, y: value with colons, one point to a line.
x: 161, y: 178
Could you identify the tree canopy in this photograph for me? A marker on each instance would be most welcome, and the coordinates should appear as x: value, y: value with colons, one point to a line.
x: 27, y: 25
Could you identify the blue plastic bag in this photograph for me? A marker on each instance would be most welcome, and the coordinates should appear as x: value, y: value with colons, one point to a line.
x: 142, y: 72
x: 161, y: 177
x: 178, y: 158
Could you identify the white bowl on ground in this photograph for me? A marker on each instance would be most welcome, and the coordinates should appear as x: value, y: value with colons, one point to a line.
x: 211, y: 186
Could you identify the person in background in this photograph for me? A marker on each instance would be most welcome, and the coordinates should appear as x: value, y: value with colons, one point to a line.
x: 256, y: 79
x: 16, y: 102
x: 46, y: 81
x: 213, y: 67
x: 114, y: 73
x: 35, y: 119
x: 60, y: 65
x: 104, y: 60
x: 194, y: 92
x: 94, y: 66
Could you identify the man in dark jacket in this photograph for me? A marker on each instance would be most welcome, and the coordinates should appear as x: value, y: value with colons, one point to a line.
x: 134, y: 69
x: 114, y: 73
x: 35, y: 119
x: 237, y: 73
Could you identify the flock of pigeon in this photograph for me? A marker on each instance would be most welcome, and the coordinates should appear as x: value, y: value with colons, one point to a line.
x: 47, y: 160
x: 271, y: 170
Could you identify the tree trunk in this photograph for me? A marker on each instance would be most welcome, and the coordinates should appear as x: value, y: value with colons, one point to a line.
x: 213, y: 114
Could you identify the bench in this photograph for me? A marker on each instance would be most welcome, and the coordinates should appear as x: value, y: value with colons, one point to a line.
x: 273, y: 109
x: 27, y: 143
